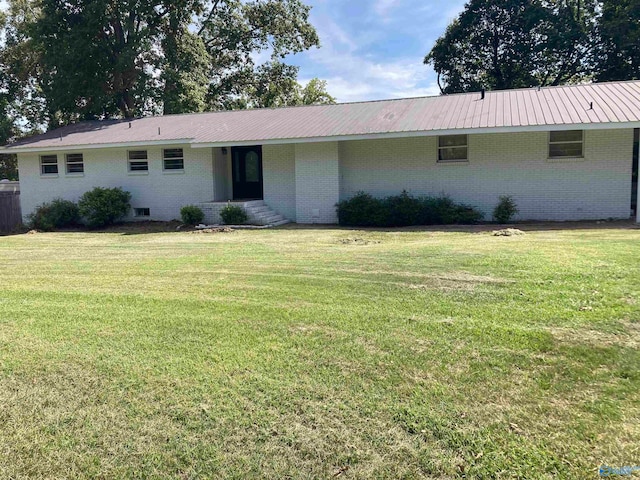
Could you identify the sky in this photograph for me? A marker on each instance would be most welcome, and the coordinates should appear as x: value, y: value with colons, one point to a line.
x: 374, y: 49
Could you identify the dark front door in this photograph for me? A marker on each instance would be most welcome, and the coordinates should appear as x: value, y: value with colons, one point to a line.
x: 247, y: 172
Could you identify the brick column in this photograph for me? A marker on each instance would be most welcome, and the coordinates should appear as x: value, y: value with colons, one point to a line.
x: 317, y: 182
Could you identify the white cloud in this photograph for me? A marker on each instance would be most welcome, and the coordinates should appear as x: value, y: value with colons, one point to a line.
x: 353, y: 76
x: 377, y: 53
x: 382, y: 7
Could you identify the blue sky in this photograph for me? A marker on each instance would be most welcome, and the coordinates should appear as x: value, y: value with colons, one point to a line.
x: 373, y: 49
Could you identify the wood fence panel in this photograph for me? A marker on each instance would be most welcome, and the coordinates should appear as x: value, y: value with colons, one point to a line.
x: 10, y: 213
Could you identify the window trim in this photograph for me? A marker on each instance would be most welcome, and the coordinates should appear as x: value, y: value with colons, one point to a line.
x: 565, y: 157
x: 453, y: 161
x: 164, y: 160
x: 42, y: 165
x: 67, y: 164
x: 129, y: 160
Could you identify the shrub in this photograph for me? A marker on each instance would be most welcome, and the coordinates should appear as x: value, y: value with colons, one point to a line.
x: 57, y: 214
x: 505, y: 210
x: 467, y: 215
x: 403, y: 210
x: 104, y: 206
x: 437, y: 211
x: 233, y: 215
x: 191, y: 215
x: 363, y: 210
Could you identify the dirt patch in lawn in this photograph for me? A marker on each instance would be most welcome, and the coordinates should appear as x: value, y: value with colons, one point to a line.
x: 458, y: 281
x: 214, y: 230
x: 508, y: 232
x: 137, y: 228
x: 629, y: 337
x: 529, y: 226
x: 358, y: 241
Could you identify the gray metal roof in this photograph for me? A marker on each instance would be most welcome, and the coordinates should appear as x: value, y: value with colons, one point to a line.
x: 598, y: 105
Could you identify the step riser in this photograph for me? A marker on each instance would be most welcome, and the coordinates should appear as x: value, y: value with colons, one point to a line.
x: 258, y: 211
x: 268, y: 214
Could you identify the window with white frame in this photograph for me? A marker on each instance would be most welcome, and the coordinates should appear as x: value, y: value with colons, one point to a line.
x: 138, y: 161
x: 453, y: 148
x: 173, y: 159
x: 49, y: 164
x: 566, y: 144
x: 75, y: 163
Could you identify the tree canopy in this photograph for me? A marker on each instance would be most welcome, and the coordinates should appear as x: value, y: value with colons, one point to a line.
x: 619, y: 37
x: 72, y: 60
x: 499, y: 44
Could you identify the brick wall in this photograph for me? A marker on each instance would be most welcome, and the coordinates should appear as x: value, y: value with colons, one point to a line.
x: 164, y: 193
x: 304, y: 181
x: 222, y: 175
x: 595, y: 187
x: 317, y: 182
x: 279, y: 174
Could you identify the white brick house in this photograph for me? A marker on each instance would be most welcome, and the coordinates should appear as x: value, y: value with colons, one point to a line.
x: 563, y: 153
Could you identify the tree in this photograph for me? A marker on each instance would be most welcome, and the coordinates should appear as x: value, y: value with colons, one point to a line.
x: 498, y: 44
x: 8, y: 163
x: 315, y: 93
x: 275, y: 85
x: 99, y: 59
x: 8, y: 167
x: 619, y: 40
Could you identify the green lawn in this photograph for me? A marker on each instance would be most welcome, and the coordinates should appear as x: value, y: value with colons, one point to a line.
x: 302, y: 353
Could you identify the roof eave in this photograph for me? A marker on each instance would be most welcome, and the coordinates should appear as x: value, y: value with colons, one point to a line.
x: 422, y: 133
x: 333, y: 138
x: 7, y: 149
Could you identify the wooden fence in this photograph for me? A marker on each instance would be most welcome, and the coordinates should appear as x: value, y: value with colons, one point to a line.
x: 10, y: 213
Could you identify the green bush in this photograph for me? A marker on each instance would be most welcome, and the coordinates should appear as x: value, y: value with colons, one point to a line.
x: 191, y: 215
x: 403, y: 210
x: 467, y: 215
x: 505, y: 210
x: 444, y: 211
x: 438, y: 211
x: 104, y: 206
x: 233, y: 215
x: 364, y: 210
x: 57, y: 214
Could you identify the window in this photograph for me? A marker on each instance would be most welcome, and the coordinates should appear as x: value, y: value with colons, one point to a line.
x: 173, y: 159
x: 49, y: 165
x: 141, y: 212
x: 138, y: 161
x: 453, y: 148
x: 252, y: 167
x: 75, y: 163
x: 566, y: 143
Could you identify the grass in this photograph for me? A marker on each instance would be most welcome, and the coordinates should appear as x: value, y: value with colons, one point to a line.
x: 329, y: 353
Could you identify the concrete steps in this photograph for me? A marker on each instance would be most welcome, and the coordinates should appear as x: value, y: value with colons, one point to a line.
x: 261, y: 214
x: 258, y: 211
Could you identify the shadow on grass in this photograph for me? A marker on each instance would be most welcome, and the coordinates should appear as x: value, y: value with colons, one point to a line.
x: 483, y: 227
x: 151, y: 227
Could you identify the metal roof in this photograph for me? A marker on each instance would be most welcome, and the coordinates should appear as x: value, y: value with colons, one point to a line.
x: 598, y: 105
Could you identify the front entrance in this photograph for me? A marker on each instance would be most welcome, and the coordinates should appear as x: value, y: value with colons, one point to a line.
x: 247, y: 173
